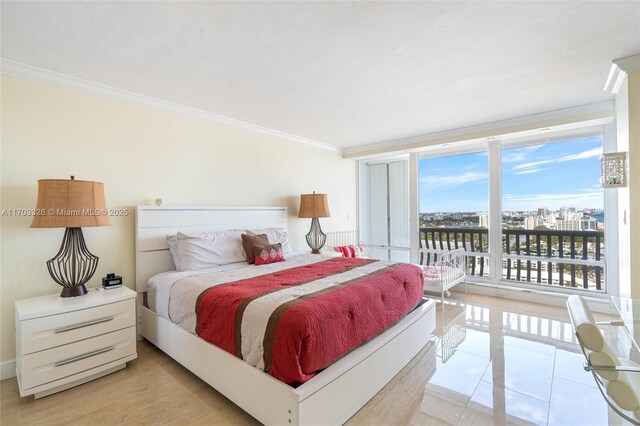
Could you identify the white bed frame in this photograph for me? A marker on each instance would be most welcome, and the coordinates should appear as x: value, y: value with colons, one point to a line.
x: 331, y: 397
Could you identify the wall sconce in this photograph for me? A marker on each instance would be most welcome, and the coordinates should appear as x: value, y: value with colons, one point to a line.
x: 613, y: 170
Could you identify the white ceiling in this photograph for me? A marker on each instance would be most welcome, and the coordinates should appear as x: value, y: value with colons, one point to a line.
x: 341, y: 73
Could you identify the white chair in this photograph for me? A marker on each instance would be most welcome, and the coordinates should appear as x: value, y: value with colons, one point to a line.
x: 618, y: 379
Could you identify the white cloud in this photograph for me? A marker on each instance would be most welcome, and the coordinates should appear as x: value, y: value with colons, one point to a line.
x: 594, y: 187
x: 454, y: 180
x: 526, y: 172
x: 595, y: 152
x: 518, y: 154
x: 587, y: 197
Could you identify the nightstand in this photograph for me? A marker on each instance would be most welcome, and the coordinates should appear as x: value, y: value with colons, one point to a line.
x: 64, y: 342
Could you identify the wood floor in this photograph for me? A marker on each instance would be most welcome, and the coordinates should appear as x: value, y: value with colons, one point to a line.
x: 155, y: 390
x: 486, y: 377
x: 152, y: 390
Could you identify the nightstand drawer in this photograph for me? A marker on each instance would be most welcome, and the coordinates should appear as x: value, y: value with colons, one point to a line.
x: 62, y: 361
x: 48, y: 332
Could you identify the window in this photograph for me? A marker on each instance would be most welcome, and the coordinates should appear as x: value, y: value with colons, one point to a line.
x: 454, y: 205
x: 529, y: 212
x: 553, y: 208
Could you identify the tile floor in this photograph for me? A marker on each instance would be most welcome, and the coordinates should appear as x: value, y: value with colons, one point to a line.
x: 496, y: 362
x: 493, y: 362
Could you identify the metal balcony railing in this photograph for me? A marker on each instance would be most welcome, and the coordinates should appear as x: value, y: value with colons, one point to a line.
x: 551, y: 257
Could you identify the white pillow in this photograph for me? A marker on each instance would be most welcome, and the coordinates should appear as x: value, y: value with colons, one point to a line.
x: 172, y: 241
x: 275, y: 235
x: 199, y: 250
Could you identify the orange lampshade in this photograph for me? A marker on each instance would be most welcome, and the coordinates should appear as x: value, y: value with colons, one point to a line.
x: 70, y: 203
x: 314, y: 206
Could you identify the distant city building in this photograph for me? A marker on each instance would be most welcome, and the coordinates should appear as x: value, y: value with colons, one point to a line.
x: 564, y: 219
x: 569, y: 225
x: 532, y: 222
x: 567, y: 214
x: 551, y: 219
x: 483, y: 220
x: 562, y: 213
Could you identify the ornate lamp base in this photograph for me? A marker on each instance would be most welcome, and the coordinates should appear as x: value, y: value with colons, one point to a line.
x: 81, y: 290
x: 74, y: 264
x: 316, y: 238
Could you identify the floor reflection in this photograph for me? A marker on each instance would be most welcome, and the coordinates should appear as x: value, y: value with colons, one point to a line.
x: 493, y: 361
x: 451, y: 328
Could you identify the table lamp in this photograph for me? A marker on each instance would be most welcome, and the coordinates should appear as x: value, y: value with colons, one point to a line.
x: 314, y: 206
x: 71, y: 204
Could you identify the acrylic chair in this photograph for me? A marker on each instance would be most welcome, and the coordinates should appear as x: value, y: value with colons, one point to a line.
x: 618, y: 379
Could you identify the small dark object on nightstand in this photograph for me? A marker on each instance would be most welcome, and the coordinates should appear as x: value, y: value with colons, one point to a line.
x: 111, y: 281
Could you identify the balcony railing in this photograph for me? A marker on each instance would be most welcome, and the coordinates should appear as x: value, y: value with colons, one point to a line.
x: 561, y: 258
x: 473, y: 240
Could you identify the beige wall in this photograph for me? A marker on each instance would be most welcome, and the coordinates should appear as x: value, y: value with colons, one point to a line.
x: 139, y: 154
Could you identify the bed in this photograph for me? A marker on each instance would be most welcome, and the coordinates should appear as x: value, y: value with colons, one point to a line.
x: 329, y: 396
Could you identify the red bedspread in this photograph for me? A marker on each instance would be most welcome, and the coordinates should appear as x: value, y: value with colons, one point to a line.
x: 303, y: 319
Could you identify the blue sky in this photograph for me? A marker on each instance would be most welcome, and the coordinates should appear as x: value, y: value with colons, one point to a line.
x: 553, y: 175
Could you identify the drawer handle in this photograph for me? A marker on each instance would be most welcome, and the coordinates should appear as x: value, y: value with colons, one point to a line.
x: 82, y: 324
x: 83, y: 356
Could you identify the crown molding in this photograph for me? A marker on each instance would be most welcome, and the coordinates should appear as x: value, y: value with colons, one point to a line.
x: 619, y: 70
x: 64, y: 81
x: 615, y: 79
x: 629, y: 64
x: 583, y: 115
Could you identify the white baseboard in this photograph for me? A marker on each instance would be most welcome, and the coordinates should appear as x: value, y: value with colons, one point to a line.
x: 7, y: 369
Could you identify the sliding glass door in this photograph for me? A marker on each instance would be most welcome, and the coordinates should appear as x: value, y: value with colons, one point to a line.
x: 529, y: 212
x: 454, y: 205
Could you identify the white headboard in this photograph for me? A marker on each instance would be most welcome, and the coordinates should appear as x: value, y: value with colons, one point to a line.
x: 154, y: 223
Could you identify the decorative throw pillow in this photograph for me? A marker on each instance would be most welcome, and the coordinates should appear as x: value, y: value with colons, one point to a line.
x: 275, y: 235
x: 269, y: 253
x: 249, y: 241
x: 353, y: 250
